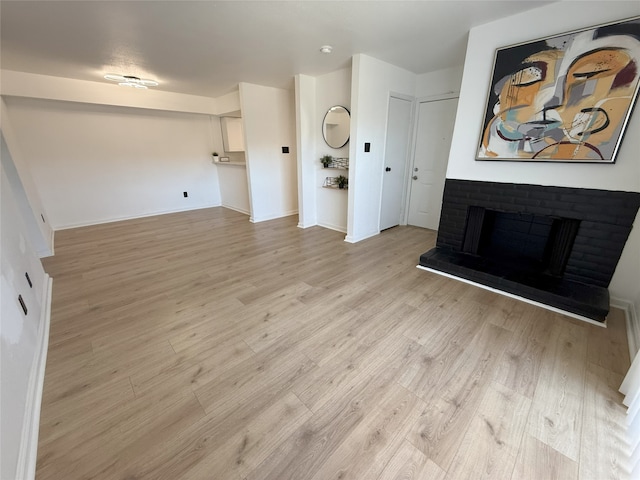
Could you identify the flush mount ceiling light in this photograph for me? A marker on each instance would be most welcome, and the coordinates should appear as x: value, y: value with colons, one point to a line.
x: 131, y: 81
x: 326, y: 49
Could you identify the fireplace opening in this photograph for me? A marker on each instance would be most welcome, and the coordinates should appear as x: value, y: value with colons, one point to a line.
x: 520, y: 244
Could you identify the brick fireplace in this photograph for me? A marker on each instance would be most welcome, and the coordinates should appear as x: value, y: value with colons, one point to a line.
x: 553, y: 245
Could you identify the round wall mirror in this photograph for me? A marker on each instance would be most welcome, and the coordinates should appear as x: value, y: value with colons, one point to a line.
x: 335, y: 127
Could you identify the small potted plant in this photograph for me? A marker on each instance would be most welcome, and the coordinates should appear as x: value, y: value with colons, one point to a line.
x: 342, y: 181
x: 326, y: 160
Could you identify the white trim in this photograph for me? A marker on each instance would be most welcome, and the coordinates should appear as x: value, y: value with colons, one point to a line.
x: 27, y: 453
x: 511, y: 295
x: 337, y: 228
x: 133, y: 217
x: 631, y: 320
x: 236, y: 209
x: 300, y: 225
x: 352, y: 239
x: 441, y: 96
x: 631, y: 389
x: 273, y: 217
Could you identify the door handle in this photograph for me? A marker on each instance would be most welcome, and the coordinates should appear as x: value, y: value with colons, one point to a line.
x: 415, y: 177
x: 388, y: 169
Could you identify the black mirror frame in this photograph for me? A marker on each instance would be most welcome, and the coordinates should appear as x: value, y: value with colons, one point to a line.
x: 323, y: 126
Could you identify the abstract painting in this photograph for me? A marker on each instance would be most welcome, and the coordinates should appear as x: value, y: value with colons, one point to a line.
x: 566, y: 98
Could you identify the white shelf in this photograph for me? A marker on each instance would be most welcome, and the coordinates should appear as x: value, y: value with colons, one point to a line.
x: 235, y: 164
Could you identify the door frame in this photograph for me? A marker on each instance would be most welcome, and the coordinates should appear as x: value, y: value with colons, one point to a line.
x: 408, y: 161
x: 414, y: 140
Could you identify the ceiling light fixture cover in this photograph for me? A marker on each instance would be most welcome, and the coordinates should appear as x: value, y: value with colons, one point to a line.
x: 326, y: 49
x: 131, y: 81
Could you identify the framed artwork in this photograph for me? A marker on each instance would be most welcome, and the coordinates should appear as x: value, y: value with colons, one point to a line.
x: 566, y: 98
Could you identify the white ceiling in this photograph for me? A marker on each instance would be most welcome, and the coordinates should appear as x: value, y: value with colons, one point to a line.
x: 208, y: 47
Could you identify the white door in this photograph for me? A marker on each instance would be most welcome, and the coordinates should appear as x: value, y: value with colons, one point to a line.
x: 433, y: 141
x: 395, y: 162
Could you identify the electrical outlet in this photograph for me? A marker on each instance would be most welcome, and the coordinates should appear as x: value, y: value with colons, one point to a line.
x: 185, y: 194
x: 285, y: 149
x: 367, y: 147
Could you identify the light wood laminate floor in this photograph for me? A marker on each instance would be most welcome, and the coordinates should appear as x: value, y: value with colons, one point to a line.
x: 198, y: 345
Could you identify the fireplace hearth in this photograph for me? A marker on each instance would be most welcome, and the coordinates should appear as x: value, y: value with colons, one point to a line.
x: 553, y: 245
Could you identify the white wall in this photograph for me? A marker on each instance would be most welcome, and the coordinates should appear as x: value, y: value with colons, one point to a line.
x: 234, y: 190
x: 372, y: 83
x: 30, y: 219
x: 232, y: 176
x: 306, y: 112
x: 440, y: 82
x: 269, y: 124
x: 553, y: 19
x: 314, y: 97
x: 625, y: 284
x: 633, y: 333
x: 23, y: 338
x: 19, y: 176
x: 94, y: 163
x: 331, y: 89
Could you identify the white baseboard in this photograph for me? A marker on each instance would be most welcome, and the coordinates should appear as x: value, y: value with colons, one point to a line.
x: 337, y: 228
x: 300, y: 225
x: 53, y: 242
x: 352, y: 239
x: 236, y: 209
x: 633, y: 324
x: 273, y: 216
x: 133, y: 217
x: 27, y: 454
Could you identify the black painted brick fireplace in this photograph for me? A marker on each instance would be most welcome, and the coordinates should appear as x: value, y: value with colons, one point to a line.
x: 555, y: 245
